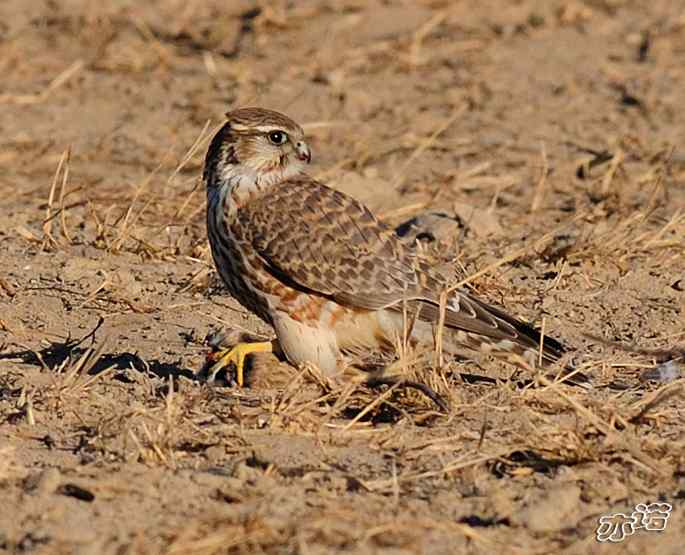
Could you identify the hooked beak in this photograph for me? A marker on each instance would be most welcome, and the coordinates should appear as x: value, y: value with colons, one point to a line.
x: 303, y: 152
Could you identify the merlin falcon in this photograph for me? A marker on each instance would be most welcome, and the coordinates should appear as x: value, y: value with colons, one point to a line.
x: 318, y: 266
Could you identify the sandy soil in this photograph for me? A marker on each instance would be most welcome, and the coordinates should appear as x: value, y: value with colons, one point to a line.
x: 546, y: 133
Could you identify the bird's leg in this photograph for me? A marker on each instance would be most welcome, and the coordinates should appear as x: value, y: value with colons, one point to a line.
x: 375, y: 381
x: 236, y: 354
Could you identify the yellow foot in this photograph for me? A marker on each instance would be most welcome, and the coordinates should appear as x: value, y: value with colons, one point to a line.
x: 236, y: 355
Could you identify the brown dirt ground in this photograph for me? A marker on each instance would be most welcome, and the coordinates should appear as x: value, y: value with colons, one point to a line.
x: 107, y: 442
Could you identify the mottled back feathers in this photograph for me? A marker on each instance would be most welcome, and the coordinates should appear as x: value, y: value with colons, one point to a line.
x: 286, y: 244
x: 322, y: 241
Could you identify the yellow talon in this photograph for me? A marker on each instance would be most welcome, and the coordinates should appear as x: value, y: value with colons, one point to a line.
x: 236, y: 355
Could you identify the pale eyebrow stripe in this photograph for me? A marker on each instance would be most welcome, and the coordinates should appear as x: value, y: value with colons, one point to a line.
x: 269, y: 128
x: 240, y: 127
x: 258, y: 128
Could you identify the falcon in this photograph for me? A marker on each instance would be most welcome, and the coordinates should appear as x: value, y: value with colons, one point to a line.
x: 322, y: 270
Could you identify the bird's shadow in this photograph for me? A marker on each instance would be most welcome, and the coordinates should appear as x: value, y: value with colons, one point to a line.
x: 64, y: 354
x: 54, y: 356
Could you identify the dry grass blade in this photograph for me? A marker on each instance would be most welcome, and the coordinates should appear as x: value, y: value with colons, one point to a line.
x: 620, y: 441
x: 542, y: 182
x: 516, y: 254
x: 425, y: 145
x: 608, y: 178
x: 344, y: 395
x: 202, y: 139
x: 541, y: 347
x: 48, y: 239
x: 93, y: 295
x: 62, y: 209
x: 368, y: 408
x: 577, y: 406
x: 55, y: 84
x: 438, y: 361
x: 465, y: 461
x: 655, y: 399
x: 420, y: 36
x: 72, y: 380
x: 147, y: 33
x: 220, y: 540
x: 25, y: 403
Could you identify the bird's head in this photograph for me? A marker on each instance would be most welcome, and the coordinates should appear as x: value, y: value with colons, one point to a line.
x: 256, y: 144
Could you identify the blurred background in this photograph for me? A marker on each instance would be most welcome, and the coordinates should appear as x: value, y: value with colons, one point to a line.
x: 469, y: 98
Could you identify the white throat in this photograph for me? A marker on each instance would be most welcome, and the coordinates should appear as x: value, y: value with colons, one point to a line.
x: 237, y: 183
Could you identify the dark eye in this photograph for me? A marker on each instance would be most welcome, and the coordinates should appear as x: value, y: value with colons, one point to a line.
x: 278, y: 137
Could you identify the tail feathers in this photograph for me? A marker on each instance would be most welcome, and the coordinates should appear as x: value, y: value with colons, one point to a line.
x: 499, y: 334
x: 510, y: 350
x: 472, y: 324
x: 492, y: 327
x: 552, y: 350
x: 516, y: 353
